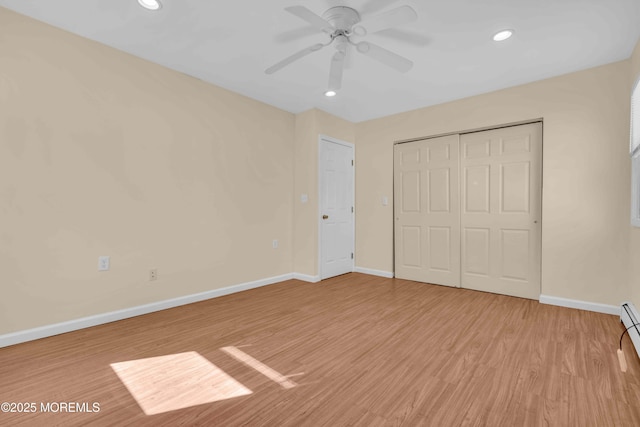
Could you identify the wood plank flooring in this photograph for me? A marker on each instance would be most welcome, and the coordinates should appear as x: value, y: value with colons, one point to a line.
x: 361, y: 351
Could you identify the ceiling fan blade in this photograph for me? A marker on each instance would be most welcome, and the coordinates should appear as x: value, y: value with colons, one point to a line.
x: 405, y: 36
x: 373, y: 6
x: 348, y: 57
x: 335, y: 73
x: 385, y: 56
x: 292, y: 35
x: 393, y: 18
x: 313, y: 19
x: 304, y: 52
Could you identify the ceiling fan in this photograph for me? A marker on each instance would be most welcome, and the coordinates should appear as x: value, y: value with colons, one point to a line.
x: 341, y: 23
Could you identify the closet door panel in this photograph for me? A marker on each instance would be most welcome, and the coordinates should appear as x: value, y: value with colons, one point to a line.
x: 426, y: 209
x: 501, y: 210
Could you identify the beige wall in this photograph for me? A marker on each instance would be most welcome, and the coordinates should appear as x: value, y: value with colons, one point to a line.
x: 102, y: 153
x: 585, y: 227
x: 308, y: 126
x: 105, y: 154
x: 634, y: 249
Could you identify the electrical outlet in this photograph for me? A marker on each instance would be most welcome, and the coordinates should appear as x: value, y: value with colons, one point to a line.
x: 153, y: 274
x: 275, y: 243
x: 103, y: 263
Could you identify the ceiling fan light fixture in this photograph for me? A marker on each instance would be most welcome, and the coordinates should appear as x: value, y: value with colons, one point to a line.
x: 502, y: 35
x: 150, y: 4
x: 330, y: 93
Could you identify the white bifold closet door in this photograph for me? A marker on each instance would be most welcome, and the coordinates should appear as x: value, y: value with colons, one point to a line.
x: 486, y: 233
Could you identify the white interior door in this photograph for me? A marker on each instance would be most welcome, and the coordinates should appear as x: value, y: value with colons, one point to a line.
x: 336, y: 169
x: 501, y: 210
x: 427, y: 213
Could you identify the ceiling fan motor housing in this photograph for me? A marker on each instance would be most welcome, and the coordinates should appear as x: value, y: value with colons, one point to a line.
x: 342, y: 17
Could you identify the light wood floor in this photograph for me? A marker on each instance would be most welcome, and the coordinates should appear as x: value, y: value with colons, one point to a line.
x: 360, y: 350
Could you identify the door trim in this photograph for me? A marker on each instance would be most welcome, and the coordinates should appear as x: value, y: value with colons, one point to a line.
x: 322, y: 137
x: 463, y: 132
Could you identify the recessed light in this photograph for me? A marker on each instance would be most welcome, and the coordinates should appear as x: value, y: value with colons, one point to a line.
x: 150, y: 4
x: 502, y: 35
x: 330, y: 93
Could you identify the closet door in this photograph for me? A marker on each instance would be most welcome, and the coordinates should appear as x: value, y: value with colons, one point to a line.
x: 501, y: 180
x: 427, y: 212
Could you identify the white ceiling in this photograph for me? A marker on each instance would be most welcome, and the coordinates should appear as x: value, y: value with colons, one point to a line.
x: 231, y: 43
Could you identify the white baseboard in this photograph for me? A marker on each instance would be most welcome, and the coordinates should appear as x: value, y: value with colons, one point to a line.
x: 580, y: 305
x: 86, y: 322
x: 306, y: 277
x: 387, y: 274
x: 99, y: 319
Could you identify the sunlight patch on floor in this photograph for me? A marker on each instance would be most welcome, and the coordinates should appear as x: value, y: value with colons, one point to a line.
x: 273, y: 375
x: 176, y: 381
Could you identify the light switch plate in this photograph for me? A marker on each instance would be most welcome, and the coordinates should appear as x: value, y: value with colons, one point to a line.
x: 104, y: 263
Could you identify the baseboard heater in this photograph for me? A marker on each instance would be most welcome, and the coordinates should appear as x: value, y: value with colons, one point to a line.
x: 630, y: 319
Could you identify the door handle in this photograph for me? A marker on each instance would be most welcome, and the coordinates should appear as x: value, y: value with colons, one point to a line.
x: 325, y: 216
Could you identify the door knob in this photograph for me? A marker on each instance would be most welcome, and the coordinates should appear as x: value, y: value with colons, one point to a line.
x: 325, y: 216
